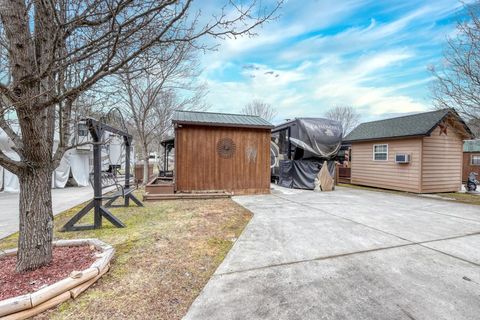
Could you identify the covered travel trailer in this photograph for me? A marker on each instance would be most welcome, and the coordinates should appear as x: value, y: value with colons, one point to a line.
x: 300, y: 146
x: 76, y: 164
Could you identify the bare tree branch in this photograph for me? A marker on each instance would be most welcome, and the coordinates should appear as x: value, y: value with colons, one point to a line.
x: 261, y: 109
x: 52, y: 52
x: 148, y: 96
x: 10, y: 164
x: 457, y: 83
x: 346, y: 115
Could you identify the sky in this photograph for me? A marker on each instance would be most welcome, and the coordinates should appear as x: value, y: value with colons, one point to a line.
x: 371, y: 55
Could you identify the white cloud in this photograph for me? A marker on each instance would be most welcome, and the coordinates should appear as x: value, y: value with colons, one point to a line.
x: 274, y: 86
x: 296, y: 18
x: 371, y: 67
x: 367, y: 65
x: 348, y: 83
x: 311, y: 88
x: 360, y: 38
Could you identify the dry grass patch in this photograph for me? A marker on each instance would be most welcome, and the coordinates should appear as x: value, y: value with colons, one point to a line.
x: 463, y: 197
x: 445, y: 196
x: 164, y: 258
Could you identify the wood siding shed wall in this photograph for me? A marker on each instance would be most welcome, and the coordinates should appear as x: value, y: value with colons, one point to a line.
x: 388, y: 174
x: 442, y: 161
x: 199, y: 167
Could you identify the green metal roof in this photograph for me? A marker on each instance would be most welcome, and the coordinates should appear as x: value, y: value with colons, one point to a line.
x: 420, y: 124
x: 220, y: 119
x: 471, y: 146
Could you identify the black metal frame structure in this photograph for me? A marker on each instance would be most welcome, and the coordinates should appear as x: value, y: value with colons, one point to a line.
x: 168, y: 145
x: 97, y: 129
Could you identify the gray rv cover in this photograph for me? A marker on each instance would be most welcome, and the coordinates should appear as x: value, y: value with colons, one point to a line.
x: 320, y: 137
x: 301, y: 174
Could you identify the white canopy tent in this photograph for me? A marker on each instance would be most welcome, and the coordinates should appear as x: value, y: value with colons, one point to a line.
x: 74, y: 166
x: 9, y: 181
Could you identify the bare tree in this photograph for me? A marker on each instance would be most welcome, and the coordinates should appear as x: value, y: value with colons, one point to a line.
x: 144, y: 92
x: 474, y: 125
x: 172, y: 100
x: 457, y: 83
x: 346, y: 115
x: 55, y: 50
x: 261, y: 109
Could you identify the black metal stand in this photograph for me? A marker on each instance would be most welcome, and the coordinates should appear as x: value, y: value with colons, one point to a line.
x: 97, y: 129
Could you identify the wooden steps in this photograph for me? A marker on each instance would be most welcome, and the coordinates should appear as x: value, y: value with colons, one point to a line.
x: 179, y: 196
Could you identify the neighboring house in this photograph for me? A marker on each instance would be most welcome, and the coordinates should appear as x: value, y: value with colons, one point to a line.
x: 471, y: 158
x: 420, y: 153
x: 221, y: 152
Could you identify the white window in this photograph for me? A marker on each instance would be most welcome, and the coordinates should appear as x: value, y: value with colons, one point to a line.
x: 380, y: 152
x: 475, y: 160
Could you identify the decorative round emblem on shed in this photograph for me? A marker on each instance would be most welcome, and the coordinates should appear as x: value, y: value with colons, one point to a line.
x: 225, y: 148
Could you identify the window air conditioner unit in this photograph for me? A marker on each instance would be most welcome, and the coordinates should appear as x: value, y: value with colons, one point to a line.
x: 402, y: 158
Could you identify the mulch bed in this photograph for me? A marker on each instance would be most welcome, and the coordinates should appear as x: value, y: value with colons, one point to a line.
x: 65, y: 260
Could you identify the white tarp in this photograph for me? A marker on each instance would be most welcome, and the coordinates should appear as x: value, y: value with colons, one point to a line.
x: 113, y: 151
x: 75, y: 163
x: 116, y: 154
x: 80, y: 167
x: 11, y: 183
x: 61, y: 174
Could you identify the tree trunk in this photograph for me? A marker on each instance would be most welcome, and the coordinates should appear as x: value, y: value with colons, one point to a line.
x: 146, y: 155
x: 145, y: 171
x: 36, y: 219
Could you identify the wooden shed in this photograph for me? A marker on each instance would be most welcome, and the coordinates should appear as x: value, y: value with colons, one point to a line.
x: 221, y: 152
x: 420, y: 153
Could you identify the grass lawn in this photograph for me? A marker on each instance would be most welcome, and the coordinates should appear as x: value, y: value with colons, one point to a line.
x: 447, y: 196
x: 462, y: 197
x: 164, y: 258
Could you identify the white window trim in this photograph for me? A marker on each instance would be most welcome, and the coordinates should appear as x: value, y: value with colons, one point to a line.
x: 471, y: 159
x: 373, y: 151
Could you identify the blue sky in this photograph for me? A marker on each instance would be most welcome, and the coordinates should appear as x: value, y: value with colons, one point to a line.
x: 372, y: 55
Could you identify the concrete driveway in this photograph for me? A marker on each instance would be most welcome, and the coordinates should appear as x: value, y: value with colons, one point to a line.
x: 62, y: 199
x: 348, y: 254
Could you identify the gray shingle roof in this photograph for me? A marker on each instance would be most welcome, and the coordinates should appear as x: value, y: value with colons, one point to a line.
x: 419, y: 124
x: 471, y: 146
x: 220, y: 119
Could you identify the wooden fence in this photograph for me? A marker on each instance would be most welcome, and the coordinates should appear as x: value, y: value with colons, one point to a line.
x: 343, y: 175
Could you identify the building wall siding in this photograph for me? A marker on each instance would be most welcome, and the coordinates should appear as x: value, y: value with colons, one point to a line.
x: 388, y: 174
x: 442, y: 161
x: 199, y: 167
